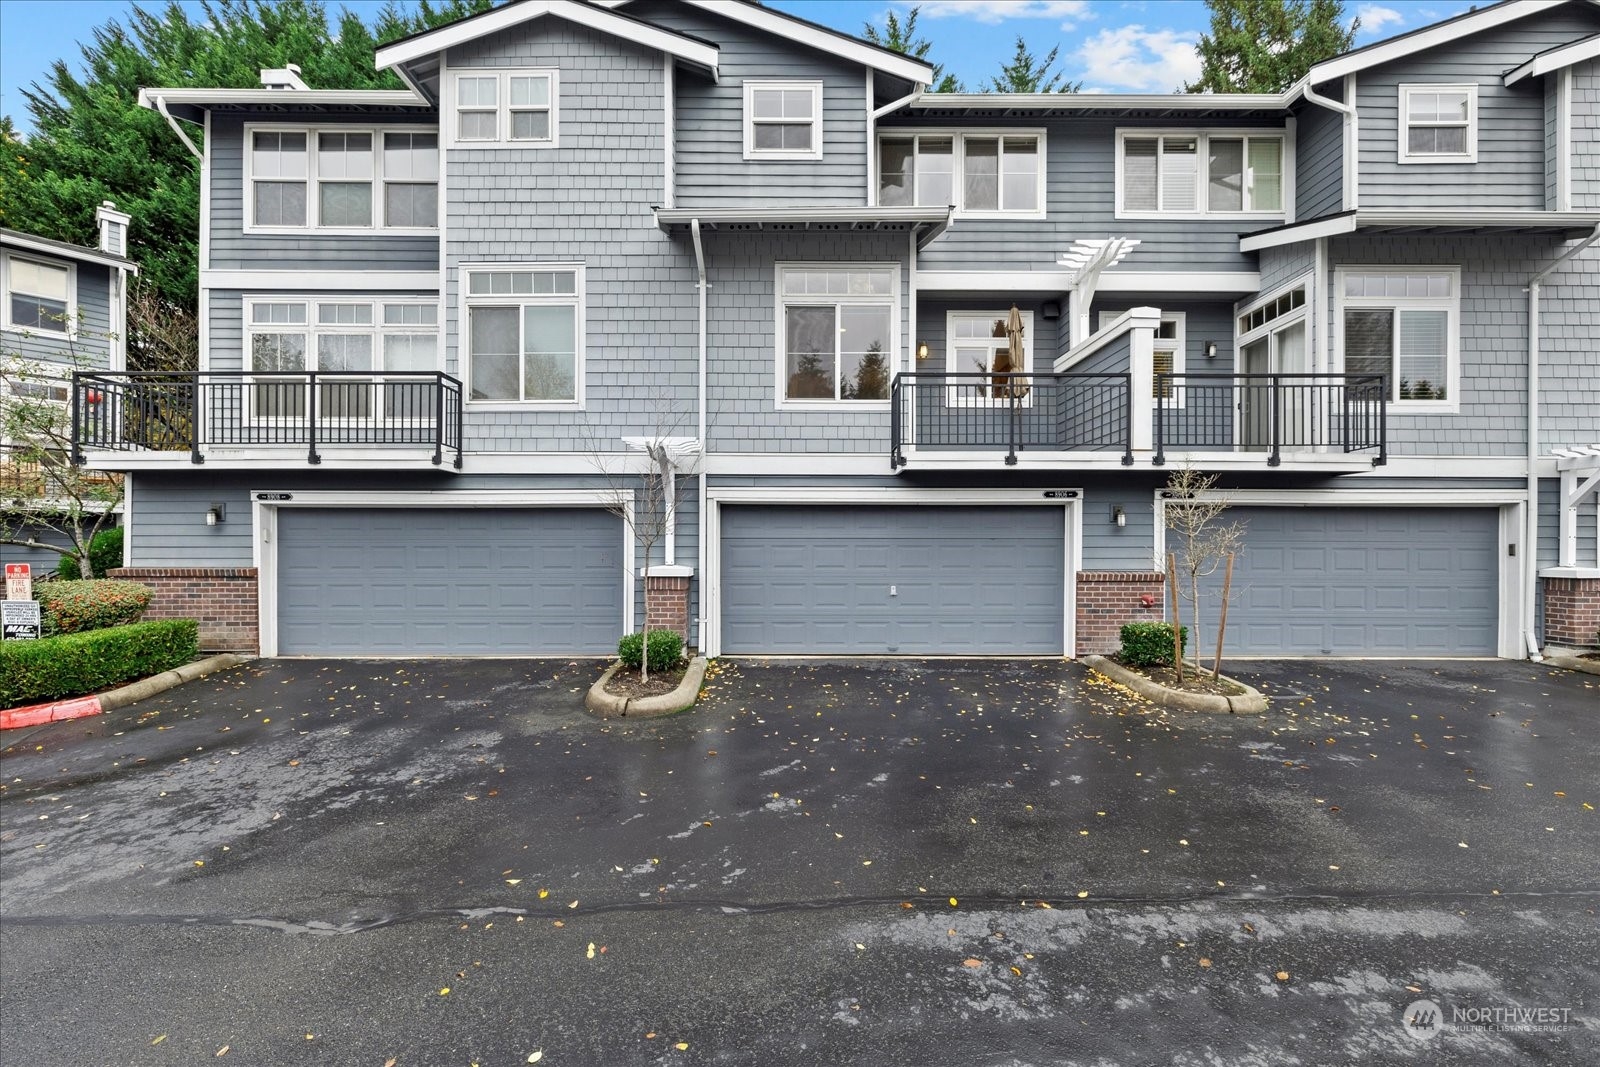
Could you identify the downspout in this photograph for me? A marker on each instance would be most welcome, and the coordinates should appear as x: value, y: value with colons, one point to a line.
x: 700, y: 428
x: 161, y: 106
x: 872, y: 132
x: 1351, y: 135
x: 1530, y: 537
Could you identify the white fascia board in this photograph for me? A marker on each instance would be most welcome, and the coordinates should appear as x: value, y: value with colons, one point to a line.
x: 321, y: 280
x: 61, y: 250
x: 713, y: 216
x: 284, y: 97
x: 1306, y: 231
x: 1060, y: 281
x: 1497, y: 219
x: 1443, y: 33
x: 502, y: 18
x: 1103, y: 101
x: 829, y: 41
x: 1556, y: 59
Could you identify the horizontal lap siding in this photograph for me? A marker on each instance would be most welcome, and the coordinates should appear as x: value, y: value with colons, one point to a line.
x: 1049, y: 335
x: 232, y: 249
x: 90, y: 347
x: 1285, y: 264
x: 1510, y: 171
x: 1319, y: 162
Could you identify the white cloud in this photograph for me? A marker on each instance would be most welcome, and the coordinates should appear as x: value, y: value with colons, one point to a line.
x: 1132, y: 57
x: 993, y: 11
x: 1374, y: 17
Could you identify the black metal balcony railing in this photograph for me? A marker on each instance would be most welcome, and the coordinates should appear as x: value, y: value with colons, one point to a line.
x: 934, y: 411
x: 1271, y: 413
x: 197, y: 411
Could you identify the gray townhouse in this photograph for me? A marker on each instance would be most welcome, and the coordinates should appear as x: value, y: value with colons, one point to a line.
x: 63, y: 307
x: 925, y: 362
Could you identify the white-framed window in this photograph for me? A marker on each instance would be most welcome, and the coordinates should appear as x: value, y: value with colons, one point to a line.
x: 1170, y: 353
x: 524, y: 334
x: 980, y: 173
x: 1438, y: 124
x: 977, y: 342
x: 341, y: 179
x: 46, y: 388
x: 1403, y: 322
x: 838, y: 330
x: 783, y: 120
x: 1194, y: 174
x: 40, y: 296
x: 360, y: 336
x: 505, y: 107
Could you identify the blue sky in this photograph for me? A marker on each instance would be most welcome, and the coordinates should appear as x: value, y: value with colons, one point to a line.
x: 1110, y: 45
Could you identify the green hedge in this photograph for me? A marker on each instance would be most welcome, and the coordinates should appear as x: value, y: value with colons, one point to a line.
x: 1147, y: 643
x: 91, y: 604
x: 105, y: 552
x: 75, y: 664
x: 666, y: 650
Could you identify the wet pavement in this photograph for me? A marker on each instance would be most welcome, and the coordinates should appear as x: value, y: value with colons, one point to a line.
x: 869, y: 862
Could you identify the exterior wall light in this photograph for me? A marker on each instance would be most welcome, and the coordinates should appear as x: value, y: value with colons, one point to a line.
x: 1211, y: 350
x: 215, y: 515
x: 1119, y: 516
x: 922, y: 351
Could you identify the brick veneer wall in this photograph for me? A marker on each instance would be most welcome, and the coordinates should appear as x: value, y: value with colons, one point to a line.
x: 1107, y: 599
x: 222, y: 599
x: 1571, y: 611
x: 666, y: 604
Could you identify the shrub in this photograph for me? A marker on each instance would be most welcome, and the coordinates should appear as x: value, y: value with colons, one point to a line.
x: 92, y: 604
x: 105, y: 552
x: 74, y: 664
x: 1147, y: 643
x: 666, y: 650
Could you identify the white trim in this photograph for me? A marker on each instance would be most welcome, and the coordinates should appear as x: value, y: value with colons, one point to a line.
x: 264, y: 540
x: 872, y: 137
x: 323, y: 280
x: 872, y: 496
x: 465, y: 301
x: 1295, y: 233
x: 1403, y: 153
x: 950, y: 341
x: 205, y: 209
x: 1570, y: 572
x: 813, y: 86
x: 958, y: 164
x: 1564, y: 137
x: 1563, y: 59
x: 1352, y: 144
x: 62, y: 250
x: 1061, y: 281
x: 276, y: 98
x: 780, y: 362
x: 1051, y: 103
x: 1451, y: 405
x: 669, y: 128
x: 1202, y: 135
x: 1179, y: 346
x: 72, y: 327
x: 1422, y: 40
x: 1511, y: 504
x: 127, y: 521
x: 1361, y: 219
x: 828, y: 42
x: 450, y: 111
x: 312, y: 226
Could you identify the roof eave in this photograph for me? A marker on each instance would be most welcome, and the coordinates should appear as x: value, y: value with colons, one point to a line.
x: 43, y: 246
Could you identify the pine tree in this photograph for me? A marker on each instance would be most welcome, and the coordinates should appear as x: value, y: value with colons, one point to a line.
x: 1026, y: 75
x: 901, y: 36
x: 1265, y: 46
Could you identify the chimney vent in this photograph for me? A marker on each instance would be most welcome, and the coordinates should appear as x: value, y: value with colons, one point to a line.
x: 113, y: 228
x: 284, y: 77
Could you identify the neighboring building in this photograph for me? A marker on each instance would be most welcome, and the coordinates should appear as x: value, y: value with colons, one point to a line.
x: 63, y: 307
x: 421, y: 309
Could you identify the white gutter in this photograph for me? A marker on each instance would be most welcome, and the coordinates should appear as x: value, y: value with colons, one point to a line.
x: 161, y: 106
x: 872, y: 131
x: 700, y: 429
x: 1351, y: 133
x: 1530, y: 537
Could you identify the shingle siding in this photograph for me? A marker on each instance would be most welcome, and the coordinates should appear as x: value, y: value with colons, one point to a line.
x: 1586, y: 136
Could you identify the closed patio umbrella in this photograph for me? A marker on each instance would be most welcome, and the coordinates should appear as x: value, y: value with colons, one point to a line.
x: 1014, y: 360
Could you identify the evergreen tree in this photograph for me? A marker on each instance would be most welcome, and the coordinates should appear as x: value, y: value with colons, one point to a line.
x: 1265, y: 46
x: 1026, y: 75
x: 901, y: 36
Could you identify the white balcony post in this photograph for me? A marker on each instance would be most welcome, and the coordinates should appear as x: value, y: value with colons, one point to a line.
x: 1142, y: 326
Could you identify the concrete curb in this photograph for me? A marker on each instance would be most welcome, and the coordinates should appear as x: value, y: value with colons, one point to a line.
x: 607, y: 705
x: 1571, y: 662
x: 1250, y: 702
x: 81, y: 707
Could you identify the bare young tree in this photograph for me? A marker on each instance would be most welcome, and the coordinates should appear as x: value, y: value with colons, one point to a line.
x: 162, y: 336
x: 1201, y: 541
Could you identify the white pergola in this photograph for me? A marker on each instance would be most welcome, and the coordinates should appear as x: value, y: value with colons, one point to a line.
x: 1579, y: 467
x: 1086, y: 259
x: 667, y: 455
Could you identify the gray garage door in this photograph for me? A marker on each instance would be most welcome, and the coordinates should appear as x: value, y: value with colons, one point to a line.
x: 1364, y: 581
x: 907, y: 580
x: 384, y: 581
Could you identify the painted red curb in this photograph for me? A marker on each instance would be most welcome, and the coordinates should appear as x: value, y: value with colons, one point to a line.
x: 57, y: 711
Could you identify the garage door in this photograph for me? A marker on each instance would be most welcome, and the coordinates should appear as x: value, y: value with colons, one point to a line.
x: 1365, y: 581
x: 906, y: 580
x: 385, y: 581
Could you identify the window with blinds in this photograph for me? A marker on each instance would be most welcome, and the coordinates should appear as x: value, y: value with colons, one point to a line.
x: 1208, y: 173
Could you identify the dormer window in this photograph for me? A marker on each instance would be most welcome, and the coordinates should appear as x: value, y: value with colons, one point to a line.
x: 1439, y: 124
x: 782, y: 120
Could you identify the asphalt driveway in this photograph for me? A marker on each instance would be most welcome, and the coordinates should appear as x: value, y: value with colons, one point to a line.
x: 884, y: 862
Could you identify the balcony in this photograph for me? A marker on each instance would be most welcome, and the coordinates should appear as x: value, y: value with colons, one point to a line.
x: 348, y: 419
x: 1083, y: 420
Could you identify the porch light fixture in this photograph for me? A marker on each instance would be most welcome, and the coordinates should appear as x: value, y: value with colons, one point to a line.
x: 922, y: 351
x: 1119, y: 516
x: 1211, y: 350
x: 215, y: 515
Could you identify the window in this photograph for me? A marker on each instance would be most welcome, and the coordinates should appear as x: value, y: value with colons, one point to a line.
x: 978, y: 173
x: 782, y: 120
x: 1214, y: 173
x: 343, y: 180
x: 976, y: 342
x: 1169, y: 354
x: 1439, y: 123
x: 39, y: 295
x: 516, y: 107
x: 46, y: 390
x: 1403, y: 324
x: 361, y: 338
x: 837, y: 332
x: 525, y: 334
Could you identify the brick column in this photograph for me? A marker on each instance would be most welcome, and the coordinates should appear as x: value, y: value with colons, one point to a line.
x: 666, y: 603
x: 221, y: 599
x: 1572, y: 612
x: 1108, y: 599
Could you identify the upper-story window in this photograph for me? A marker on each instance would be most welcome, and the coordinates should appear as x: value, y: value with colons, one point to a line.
x: 525, y: 334
x: 1194, y: 174
x: 783, y: 120
x: 979, y: 173
x: 1438, y: 123
x: 1406, y: 324
x: 342, y: 180
x: 505, y: 107
x: 837, y: 332
x: 38, y: 295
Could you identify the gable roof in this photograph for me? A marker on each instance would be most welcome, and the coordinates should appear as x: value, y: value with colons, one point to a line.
x: 431, y: 42
x: 45, y: 246
x: 813, y: 35
x: 1556, y: 58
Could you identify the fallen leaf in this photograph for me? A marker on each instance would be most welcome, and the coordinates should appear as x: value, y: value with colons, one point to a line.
x: 650, y: 1034
x: 1017, y: 971
x: 681, y: 1046
x: 390, y: 1062
x: 971, y: 963
x: 574, y: 904
x: 906, y: 905
x: 513, y: 881
x: 591, y: 950
x: 1082, y: 893
x: 223, y: 1051
x: 1205, y: 961
x: 445, y: 992
x: 861, y: 947
x: 952, y: 902
x: 558, y: 923
x: 1461, y: 844
x: 1282, y: 976
x: 1414, y: 988
x: 535, y: 1057
x: 159, y: 1039
x: 543, y: 893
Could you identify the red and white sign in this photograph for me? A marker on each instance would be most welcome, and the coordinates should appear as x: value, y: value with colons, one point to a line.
x: 19, y: 581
